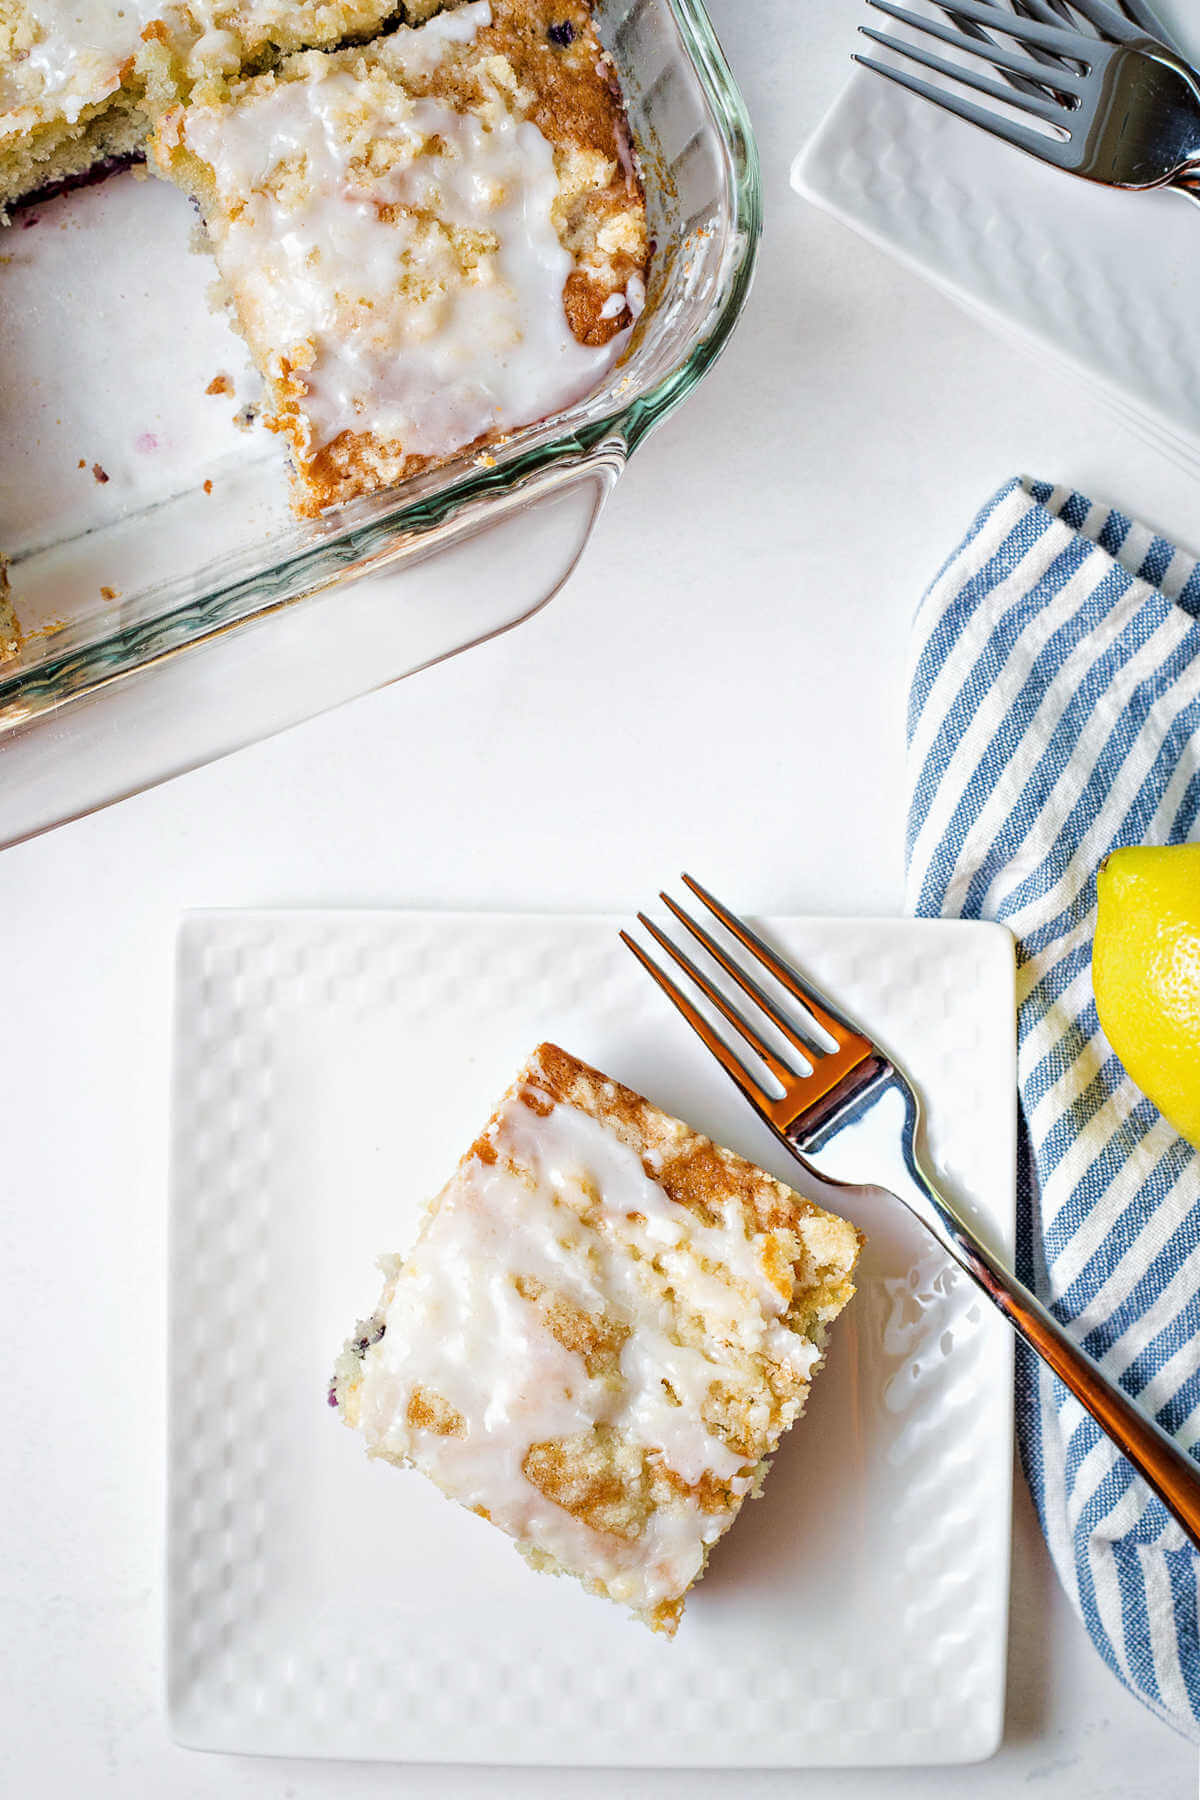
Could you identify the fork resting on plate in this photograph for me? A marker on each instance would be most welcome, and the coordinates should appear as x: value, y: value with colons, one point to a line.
x: 1123, y: 112
x: 849, y: 1114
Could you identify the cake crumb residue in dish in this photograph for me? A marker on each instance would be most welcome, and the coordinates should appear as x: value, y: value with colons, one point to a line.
x: 604, y: 1328
x: 10, y: 630
x: 427, y: 240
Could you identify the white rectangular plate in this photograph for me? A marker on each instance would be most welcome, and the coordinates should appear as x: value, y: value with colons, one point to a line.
x: 330, y: 1069
x: 1098, y: 280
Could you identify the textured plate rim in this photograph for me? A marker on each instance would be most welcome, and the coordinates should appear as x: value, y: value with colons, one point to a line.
x: 991, y: 1715
x: 815, y: 181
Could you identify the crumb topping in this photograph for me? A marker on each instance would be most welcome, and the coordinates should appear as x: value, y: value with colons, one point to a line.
x: 598, y: 1335
x: 427, y: 241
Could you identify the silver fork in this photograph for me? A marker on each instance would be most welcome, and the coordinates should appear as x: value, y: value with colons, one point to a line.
x: 1123, y: 114
x: 851, y: 1116
x: 1123, y: 22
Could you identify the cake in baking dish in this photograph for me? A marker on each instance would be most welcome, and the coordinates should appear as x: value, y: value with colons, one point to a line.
x: 426, y: 214
x: 71, y: 87
x: 426, y: 240
x: 68, y: 91
x: 227, y: 37
x: 600, y: 1335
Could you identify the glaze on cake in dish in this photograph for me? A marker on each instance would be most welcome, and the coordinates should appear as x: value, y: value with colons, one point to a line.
x: 71, y: 88
x: 428, y: 240
x: 600, y: 1335
x: 68, y: 88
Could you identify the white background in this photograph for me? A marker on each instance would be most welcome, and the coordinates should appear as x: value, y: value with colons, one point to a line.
x: 719, y: 686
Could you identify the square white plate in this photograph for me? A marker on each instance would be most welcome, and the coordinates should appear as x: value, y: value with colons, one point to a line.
x: 330, y: 1068
x: 1100, y: 281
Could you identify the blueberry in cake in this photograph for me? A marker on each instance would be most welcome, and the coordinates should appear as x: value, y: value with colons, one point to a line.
x: 427, y: 240
x: 604, y: 1328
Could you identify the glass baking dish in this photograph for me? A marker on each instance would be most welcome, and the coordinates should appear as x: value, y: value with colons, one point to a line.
x: 173, y: 610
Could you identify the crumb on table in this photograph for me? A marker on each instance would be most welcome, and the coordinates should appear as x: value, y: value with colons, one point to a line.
x: 98, y: 474
x: 220, y: 384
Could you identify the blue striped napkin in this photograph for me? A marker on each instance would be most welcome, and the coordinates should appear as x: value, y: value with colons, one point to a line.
x: 1054, y: 714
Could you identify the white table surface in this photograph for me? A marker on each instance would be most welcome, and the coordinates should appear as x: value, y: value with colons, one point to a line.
x: 719, y: 685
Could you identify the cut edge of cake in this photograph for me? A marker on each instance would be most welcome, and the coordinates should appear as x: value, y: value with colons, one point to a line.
x: 66, y: 105
x: 55, y: 134
x: 58, y: 151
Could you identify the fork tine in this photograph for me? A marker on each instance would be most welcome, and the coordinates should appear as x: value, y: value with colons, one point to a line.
x: 996, y: 54
x: 1038, y: 104
x: 1046, y: 12
x: 807, y: 1048
x: 1048, y: 148
x: 732, y: 1065
x: 1127, y: 25
x: 715, y: 997
x: 1132, y: 20
x: 822, y: 1008
x: 1059, y: 38
x: 984, y: 37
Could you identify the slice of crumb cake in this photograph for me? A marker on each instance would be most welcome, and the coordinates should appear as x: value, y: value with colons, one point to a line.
x: 604, y: 1327
x: 426, y: 240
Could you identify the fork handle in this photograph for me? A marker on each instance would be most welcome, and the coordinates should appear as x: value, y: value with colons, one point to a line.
x: 1162, y: 1463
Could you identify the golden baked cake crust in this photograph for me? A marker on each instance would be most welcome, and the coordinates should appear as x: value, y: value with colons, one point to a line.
x: 427, y: 241
x: 67, y: 89
x: 604, y: 1328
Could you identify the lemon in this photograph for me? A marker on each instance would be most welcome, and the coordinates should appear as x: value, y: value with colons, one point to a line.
x: 1146, y: 974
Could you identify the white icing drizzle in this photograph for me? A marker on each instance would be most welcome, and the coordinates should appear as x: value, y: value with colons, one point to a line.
x: 458, y: 1327
x: 82, y: 48
x: 77, y: 60
x: 350, y: 273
